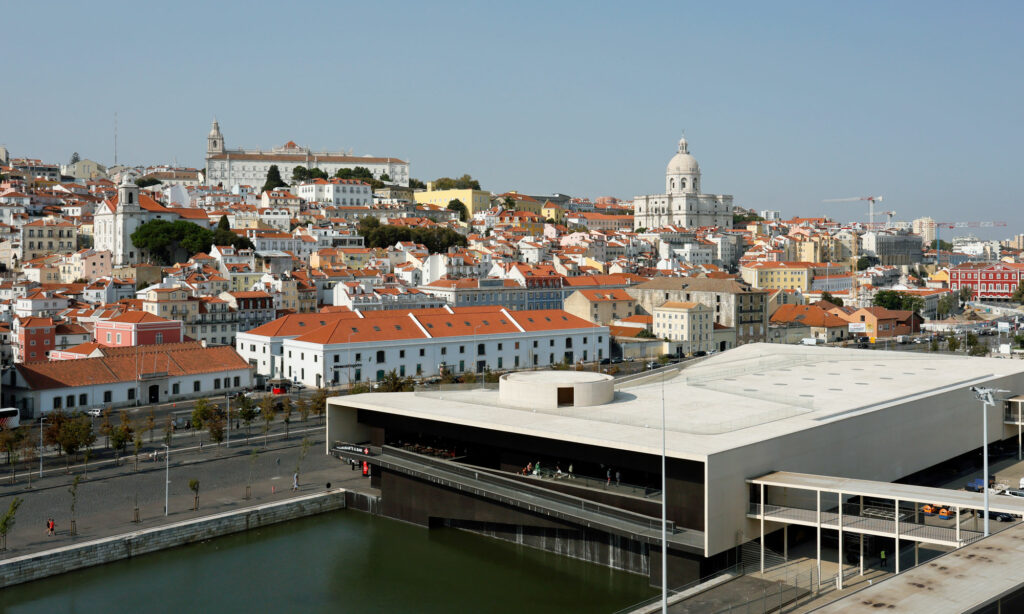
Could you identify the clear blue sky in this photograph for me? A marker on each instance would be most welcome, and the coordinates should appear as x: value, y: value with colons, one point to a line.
x: 784, y: 104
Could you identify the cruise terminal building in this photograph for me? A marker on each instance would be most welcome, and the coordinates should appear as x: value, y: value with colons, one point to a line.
x: 757, y: 438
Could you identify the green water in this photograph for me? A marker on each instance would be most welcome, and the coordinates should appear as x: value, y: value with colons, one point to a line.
x: 339, y: 562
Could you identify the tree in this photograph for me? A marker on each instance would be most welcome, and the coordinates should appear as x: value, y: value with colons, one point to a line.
x: 953, y: 344
x: 247, y: 412
x: 274, y: 180
x: 7, y: 521
x: 121, y: 435
x: 51, y: 433
x: 267, y: 413
x: 28, y: 454
x: 946, y: 305
x: 302, y: 405
x: 946, y: 246
x: 150, y: 424
x: 827, y: 296
x: 75, y: 434
x: 972, y: 340
x: 106, y: 428
x: 74, y: 158
x: 977, y: 350
x: 893, y: 299
x: 385, y: 178
x: 863, y: 263
x: 10, y: 441
x: 966, y: 294
x: 202, y: 412
x: 393, y: 382
x: 1018, y: 293
x: 744, y: 218
x: 934, y: 345
x: 145, y: 182
x: 464, y: 182
x: 318, y: 404
x: 74, y: 502
x: 416, y: 184
x: 286, y: 409
x: 168, y: 430
x: 193, y: 485
x: 457, y: 205
x: 224, y: 224
x: 138, y: 446
x: 303, y: 451
x: 316, y: 173
x: 300, y: 174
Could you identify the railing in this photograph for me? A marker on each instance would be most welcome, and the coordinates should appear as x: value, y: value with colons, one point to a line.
x: 487, y: 478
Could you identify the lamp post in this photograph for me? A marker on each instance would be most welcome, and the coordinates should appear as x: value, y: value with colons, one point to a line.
x: 167, y: 478
x: 985, y: 396
x: 42, y: 419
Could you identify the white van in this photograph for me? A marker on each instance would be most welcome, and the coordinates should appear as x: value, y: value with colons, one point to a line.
x: 812, y: 341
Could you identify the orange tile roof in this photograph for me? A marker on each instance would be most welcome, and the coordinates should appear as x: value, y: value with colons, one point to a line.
x: 125, y: 364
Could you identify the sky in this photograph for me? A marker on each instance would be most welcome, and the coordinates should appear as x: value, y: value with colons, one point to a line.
x: 784, y: 104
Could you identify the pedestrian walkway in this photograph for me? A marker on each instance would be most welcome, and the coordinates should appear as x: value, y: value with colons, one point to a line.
x: 108, y: 498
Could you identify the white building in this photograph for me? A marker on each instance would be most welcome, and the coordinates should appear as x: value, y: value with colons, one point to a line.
x: 343, y: 347
x: 335, y: 192
x: 689, y: 324
x: 117, y: 218
x: 249, y: 166
x: 683, y: 204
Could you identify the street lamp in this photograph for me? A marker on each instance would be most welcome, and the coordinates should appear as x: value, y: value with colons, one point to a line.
x: 985, y: 396
x: 42, y: 419
x: 167, y: 478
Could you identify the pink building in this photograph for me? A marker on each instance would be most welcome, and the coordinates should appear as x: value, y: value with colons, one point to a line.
x: 138, y: 328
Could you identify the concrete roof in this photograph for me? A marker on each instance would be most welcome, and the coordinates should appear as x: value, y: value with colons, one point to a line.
x: 889, y: 490
x: 959, y: 581
x: 743, y: 396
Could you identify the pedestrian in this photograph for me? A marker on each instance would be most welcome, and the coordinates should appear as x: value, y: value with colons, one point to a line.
x: 200, y: 446
x: 884, y: 564
x: 609, y: 482
x: 618, y: 478
x: 571, y: 476
x: 295, y: 481
x: 51, y: 527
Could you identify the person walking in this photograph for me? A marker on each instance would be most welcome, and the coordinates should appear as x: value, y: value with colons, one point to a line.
x: 295, y: 481
x: 618, y: 478
x: 51, y: 527
x: 884, y: 564
x: 609, y: 482
x: 571, y: 476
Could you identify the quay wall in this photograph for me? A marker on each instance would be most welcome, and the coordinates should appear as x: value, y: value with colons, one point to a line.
x: 48, y: 563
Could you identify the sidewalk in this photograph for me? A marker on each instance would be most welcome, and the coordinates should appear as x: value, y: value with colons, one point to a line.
x: 107, y: 499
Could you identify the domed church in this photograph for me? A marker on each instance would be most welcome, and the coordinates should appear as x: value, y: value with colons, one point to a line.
x: 683, y: 204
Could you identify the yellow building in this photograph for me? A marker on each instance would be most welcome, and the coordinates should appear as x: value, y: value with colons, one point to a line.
x: 789, y: 275
x: 553, y: 212
x: 475, y: 200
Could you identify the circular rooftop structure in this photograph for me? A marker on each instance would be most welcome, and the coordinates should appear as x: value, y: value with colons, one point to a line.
x: 551, y: 389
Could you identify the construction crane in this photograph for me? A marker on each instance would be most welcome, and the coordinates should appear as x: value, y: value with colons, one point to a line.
x: 938, y: 225
x: 890, y: 214
x: 871, y: 204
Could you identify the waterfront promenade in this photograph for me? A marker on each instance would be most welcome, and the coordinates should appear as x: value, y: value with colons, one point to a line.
x: 107, y: 494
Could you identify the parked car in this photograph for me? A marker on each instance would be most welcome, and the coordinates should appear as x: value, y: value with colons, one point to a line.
x: 652, y: 365
x: 700, y: 353
x: 95, y: 412
x: 1001, y: 516
x: 616, y: 360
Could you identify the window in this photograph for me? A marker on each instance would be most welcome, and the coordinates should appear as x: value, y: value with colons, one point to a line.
x: 380, y: 356
x: 159, y: 338
x: 108, y: 396
x: 83, y: 399
x: 444, y: 350
x: 131, y: 394
x: 176, y: 388
x: 195, y: 386
x: 108, y: 337
x: 57, y: 402
x: 401, y: 353
x: 71, y: 400
x: 118, y: 338
x: 480, y: 349
x: 422, y: 352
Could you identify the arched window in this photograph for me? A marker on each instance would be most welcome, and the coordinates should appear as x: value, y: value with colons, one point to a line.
x: 682, y: 184
x: 130, y: 198
x: 672, y: 183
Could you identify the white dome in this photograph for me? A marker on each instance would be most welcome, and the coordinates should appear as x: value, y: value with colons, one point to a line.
x: 682, y: 163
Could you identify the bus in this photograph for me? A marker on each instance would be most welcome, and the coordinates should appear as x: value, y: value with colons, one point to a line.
x: 10, y: 418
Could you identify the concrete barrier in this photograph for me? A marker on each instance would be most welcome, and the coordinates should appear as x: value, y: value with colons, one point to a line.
x: 127, y: 545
